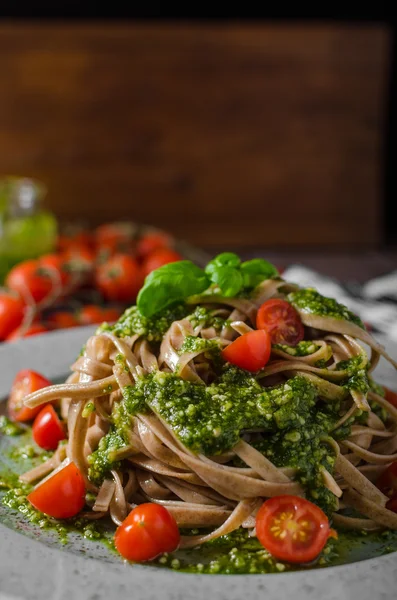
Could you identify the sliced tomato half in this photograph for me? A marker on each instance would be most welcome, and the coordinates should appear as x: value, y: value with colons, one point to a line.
x: 62, y: 495
x: 282, y: 322
x: 292, y: 528
x: 26, y: 382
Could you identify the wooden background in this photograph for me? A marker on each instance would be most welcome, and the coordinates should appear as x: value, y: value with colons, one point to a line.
x: 228, y: 135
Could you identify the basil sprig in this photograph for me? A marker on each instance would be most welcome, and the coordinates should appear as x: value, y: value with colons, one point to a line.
x: 169, y: 284
x: 177, y: 281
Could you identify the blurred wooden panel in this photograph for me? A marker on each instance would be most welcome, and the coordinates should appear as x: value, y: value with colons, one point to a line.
x: 230, y: 134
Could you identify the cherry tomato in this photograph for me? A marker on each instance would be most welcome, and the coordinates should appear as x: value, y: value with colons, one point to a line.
x: 387, y: 482
x: 119, y: 278
x: 292, y: 528
x: 79, y: 259
x: 110, y: 315
x: 280, y: 319
x: 149, y: 530
x: 31, y: 282
x: 21, y: 332
x: 392, y: 504
x: 61, y: 496
x: 62, y: 319
x: 250, y: 351
x: 113, y: 232
x: 26, y: 382
x: 47, y: 429
x: 55, y: 264
x: 114, y: 238
x: 12, y: 310
x: 92, y: 315
x: 391, y: 396
x: 82, y: 238
x: 158, y: 258
x: 151, y: 242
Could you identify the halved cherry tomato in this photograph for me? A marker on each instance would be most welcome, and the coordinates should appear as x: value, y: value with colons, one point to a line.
x: 31, y: 282
x: 62, y: 495
x: 391, y: 396
x: 12, y: 310
x: 149, y: 530
x: 56, y: 265
x: 250, y: 351
x: 19, y: 333
x: 158, y: 258
x: 387, y: 482
x: 392, y: 504
x: 47, y: 430
x: 292, y: 528
x: 151, y: 242
x: 119, y: 278
x: 26, y: 382
x: 92, y: 315
x: 63, y: 319
x: 280, y: 319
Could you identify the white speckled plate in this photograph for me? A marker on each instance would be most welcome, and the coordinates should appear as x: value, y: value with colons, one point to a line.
x: 33, y: 569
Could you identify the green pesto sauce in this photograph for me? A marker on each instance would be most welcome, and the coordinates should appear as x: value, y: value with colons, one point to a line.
x: 192, y: 343
x: 355, y: 368
x: 204, y: 317
x: 303, y: 348
x: 153, y: 329
x: 236, y: 553
x: 7, y: 427
x: 376, y: 387
x: 310, y: 301
x: 101, y: 461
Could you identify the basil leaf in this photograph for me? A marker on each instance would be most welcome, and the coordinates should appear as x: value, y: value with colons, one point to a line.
x: 169, y: 284
x: 226, y: 259
x: 228, y: 279
x: 257, y: 270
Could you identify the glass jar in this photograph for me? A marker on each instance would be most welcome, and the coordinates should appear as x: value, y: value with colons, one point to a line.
x: 26, y: 229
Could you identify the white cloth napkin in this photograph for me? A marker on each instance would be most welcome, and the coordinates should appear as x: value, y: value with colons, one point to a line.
x: 373, y: 301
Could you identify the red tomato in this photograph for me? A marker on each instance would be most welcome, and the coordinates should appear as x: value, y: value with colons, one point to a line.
x: 280, y: 319
x: 92, y: 315
x: 391, y: 396
x: 110, y: 315
x: 149, y: 530
x: 392, y: 504
x: 61, y: 496
x: 12, y: 310
x: 158, y: 258
x: 114, y: 238
x: 119, y: 278
x: 250, y: 351
x: 292, y: 528
x: 387, y: 482
x: 47, y: 429
x: 83, y: 238
x: 79, y: 258
x: 151, y: 242
x: 62, y: 319
x: 28, y: 280
x: 26, y: 382
x: 20, y: 332
x: 108, y: 249
x: 55, y: 264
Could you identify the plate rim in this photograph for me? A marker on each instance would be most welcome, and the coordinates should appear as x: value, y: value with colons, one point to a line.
x: 54, y: 352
